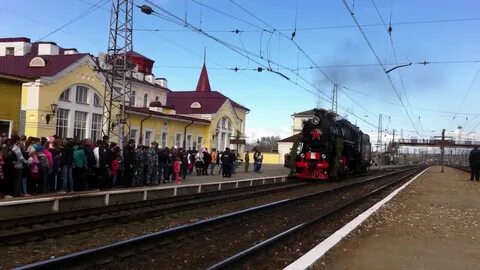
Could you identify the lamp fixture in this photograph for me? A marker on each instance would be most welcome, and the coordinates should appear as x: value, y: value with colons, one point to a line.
x: 53, y: 107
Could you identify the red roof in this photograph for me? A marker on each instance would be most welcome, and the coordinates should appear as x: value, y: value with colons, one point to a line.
x: 19, y: 65
x: 15, y: 39
x: 203, y: 84
x: 174, y: 116
x: 210, y: 102
x: 136, y: 54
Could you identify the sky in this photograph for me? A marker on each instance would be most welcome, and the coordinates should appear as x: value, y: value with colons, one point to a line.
x: 328, y: 48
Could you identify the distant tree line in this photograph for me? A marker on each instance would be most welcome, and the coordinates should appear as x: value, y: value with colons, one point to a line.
x: 265, y: 144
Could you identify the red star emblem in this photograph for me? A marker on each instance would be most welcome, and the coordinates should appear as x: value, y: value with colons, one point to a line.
x: 316, y: 133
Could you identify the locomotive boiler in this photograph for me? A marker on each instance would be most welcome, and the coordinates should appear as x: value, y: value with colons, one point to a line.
x: 331, y: 148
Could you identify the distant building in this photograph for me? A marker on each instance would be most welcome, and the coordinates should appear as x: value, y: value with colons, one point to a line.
x: 47, y: 89
x: 285, y: 145
x: 227, y: 117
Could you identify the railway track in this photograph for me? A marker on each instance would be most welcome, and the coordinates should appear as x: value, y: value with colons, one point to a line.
x: 462, y: 168
x: 258, y: 254
x: 37, y: 228
x: 232, y: 236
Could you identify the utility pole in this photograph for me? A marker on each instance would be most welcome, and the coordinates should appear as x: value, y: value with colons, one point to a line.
x: 117, y: 70
x: 335, y: 98
x: 442, y: 149
x: 380, y: 134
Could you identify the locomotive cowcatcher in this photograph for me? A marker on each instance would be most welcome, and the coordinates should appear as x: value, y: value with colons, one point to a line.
x: 331, y: 148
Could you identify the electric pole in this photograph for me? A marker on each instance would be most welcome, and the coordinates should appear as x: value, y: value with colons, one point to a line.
x: 335, y: 98
x: 380, y: 134
x: 117, y: 70
x: 442, y: 149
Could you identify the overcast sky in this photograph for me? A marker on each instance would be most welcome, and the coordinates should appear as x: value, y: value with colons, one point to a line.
x: 443, y: 94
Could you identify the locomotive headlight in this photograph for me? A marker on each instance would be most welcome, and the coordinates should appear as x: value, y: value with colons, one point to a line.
x: 324, y: 156
x: 302, y: 155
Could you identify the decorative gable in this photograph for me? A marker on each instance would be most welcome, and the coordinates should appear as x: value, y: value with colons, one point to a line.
x: 196, y: 105
x: 37, y: 62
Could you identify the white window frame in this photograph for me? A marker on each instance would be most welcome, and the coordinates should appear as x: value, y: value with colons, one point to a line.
x: 179, y: 142
x: 164, y: 139
x: 64, y: 121
x: 10, y: 127
x: 145, y: 100
x: 189, y: 141
x: 81, y: 94
x: 9, y: 51
x: 227, y: 143
x: 65, y: 95
x: 148, y: 141
x: 80, y: 125
x: 96, y: 127
x: 134, y: 134
x: 199, y: 142
x: 97, y: 101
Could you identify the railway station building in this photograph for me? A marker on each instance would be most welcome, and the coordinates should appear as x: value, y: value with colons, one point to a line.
x: 47, y: 89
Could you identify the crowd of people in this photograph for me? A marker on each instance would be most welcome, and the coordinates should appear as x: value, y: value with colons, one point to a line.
x: 41, y: 165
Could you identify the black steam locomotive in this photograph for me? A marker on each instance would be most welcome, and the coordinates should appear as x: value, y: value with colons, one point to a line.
x: 331, y: 148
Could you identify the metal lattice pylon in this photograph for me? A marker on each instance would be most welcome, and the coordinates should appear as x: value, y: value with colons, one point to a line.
x: 117, y: 69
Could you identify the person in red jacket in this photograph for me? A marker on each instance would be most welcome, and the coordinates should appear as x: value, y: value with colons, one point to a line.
x: 176, y: 169
x: 115, y: 165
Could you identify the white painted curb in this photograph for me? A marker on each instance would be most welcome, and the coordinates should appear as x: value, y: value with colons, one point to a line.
x: 317, y: 252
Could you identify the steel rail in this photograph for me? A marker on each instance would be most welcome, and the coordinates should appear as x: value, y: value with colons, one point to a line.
x: 35, y: 228
x: 105, y: 254
x: 244, y: 254
x: 138, y: 211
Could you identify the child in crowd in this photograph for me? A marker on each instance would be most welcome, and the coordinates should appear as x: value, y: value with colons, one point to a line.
x: 176, y: 169
x: 34, y: 162
x: 115, y: 166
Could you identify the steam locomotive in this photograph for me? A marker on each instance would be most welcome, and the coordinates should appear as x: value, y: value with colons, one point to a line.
x: 331, y: 148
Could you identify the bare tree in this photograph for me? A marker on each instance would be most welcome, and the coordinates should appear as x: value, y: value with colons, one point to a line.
x: 267, y: 144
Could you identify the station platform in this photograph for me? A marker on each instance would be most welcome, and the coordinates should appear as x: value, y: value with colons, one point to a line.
x: 63, y: 202
x: 434, y: 223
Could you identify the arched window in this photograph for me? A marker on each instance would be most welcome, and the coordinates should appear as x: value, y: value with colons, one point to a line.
x: 223, y: 133
x: 65, y: 95
x: 97, y: 101
x: 80, y: 118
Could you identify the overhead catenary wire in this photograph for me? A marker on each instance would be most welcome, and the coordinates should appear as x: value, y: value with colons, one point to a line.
x: 467, y: 93
x: 314, y: 28
x: 388, y: 30
x: 175, y: 19
x: 379, y: 62
x: 286, y: 37
x: 220, y: 67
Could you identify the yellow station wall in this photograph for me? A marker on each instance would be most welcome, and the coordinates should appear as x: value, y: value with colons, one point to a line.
x: 10, y: 98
